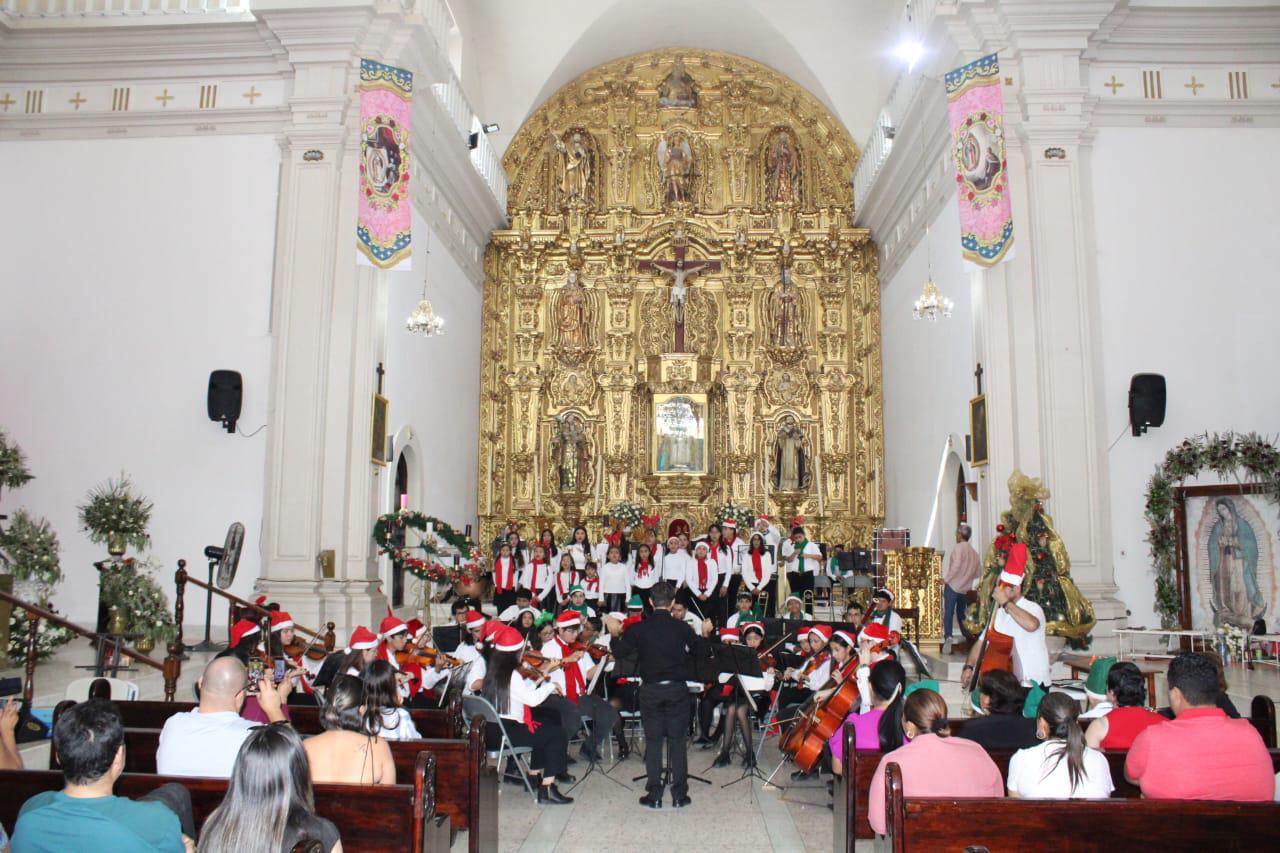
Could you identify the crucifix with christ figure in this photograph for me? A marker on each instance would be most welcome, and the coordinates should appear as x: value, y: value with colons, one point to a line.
x: 681, y: 273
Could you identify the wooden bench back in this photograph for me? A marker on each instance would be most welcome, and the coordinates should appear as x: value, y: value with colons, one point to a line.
x: 999, y: 825
x: 445, y: 722
x: 371, y: 818
x: 851, y: 800
x: 465, y: 791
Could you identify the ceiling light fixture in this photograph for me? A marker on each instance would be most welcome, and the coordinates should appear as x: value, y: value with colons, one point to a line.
x: 424, y: 320
x: 931, y: 302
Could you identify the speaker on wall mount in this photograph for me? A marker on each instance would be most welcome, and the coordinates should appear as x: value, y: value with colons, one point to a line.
x: 1146, y: 401
x: 225, y: 391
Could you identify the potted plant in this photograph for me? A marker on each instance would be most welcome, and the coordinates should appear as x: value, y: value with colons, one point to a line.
x: 31, y: 549
x: 113, y: 515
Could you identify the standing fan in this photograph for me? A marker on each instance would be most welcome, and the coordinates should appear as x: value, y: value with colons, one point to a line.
x: 224, y: 560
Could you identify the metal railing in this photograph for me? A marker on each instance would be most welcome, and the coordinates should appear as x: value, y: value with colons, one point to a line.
x: 119, y: 8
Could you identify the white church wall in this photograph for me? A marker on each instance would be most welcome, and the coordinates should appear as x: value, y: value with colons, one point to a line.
x: 927, y: 383
x: 1186, y: 240
x: 433, y: 384
x: 132, y: 268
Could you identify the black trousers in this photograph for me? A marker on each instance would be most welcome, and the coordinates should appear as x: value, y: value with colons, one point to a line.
x: 799, y: 582
x: 615, y: 601
x: 177, y: 799
x: 664, y: 713
x: 503, y: 600
x: 550, y: 745
x: 728, y: 603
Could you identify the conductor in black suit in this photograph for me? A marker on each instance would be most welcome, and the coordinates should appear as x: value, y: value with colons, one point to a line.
x: 663, y: 647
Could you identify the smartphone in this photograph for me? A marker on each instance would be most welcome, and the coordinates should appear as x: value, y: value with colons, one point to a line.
x: 255, y: 673
x: 279, y: 670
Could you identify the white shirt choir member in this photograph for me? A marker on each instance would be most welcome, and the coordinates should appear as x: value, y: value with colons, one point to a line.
x: 702, y: 574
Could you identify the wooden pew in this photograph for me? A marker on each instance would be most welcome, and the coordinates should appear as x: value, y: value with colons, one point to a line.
x: 851, y: 800
x: 447, y: 722
x: 370, y: 818
x: 465, y: 791
x: 1000, y: 825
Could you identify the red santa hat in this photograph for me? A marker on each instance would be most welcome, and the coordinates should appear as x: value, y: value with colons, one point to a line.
x: 261, y: 601
x: 729, y: 635
x: 280, y: 619
x: 390, y: 626
x: 874, y: 632
x: 243, y: 628
x: 362, y: 638
x: 491, y: 629
x: 846, y: 638
x: 1015, y: 567
x: 568, y: 619
x: 823, y: 631
x: 475, y: 619
x: 508, y: 639
x: 414, y: 627
x: 751, y: 626
x: 729, y: 524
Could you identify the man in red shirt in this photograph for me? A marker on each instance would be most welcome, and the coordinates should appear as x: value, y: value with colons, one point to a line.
x: 1202, y: 754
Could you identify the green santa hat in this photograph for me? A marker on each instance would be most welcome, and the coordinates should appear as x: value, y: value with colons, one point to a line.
x: 1096, y: 686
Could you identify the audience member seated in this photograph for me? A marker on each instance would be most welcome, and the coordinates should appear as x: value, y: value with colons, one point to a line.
x: 382, y: 693
x: 204, y: 742
x: 268, y: 807
x: 10, y: 758
x: 1222, y: 700
x: 1202, y: 754
x: 1061, y: 767
x: 85, y: 815
x: 933, y: 763
x: 1127, y: 694
x: 1004, y: 726
x: 880, y: 728
x: 349, y: 750
x: 246, y: 645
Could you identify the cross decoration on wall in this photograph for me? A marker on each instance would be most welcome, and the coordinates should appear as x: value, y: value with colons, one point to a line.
x: 681, y: 274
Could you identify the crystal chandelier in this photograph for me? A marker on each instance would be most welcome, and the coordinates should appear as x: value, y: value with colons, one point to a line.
x: 931, y: 302
x: 423, y: 321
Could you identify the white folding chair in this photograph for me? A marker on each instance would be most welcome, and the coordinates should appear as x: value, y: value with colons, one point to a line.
x: 121, y: 690
x: 472, y: 705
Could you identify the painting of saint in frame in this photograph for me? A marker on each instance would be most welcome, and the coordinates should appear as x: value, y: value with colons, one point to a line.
x: 680, y: 434
x: 1229, y: 543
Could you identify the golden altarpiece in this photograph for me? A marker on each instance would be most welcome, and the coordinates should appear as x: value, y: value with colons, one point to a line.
x: 681, y: 312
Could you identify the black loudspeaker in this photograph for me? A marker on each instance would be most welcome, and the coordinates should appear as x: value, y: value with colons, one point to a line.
x: 225, y: 390
x: 1146, y: 401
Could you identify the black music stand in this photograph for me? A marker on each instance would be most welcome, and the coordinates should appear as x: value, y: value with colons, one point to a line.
x: 741, y: 662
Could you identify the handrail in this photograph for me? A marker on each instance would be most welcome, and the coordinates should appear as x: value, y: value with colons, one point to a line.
x: 170, y: 667
x: 181, y: 578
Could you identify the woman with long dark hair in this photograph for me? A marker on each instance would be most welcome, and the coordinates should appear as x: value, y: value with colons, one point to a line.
x: 1062, y: 766
x: 349, y: 751
x: 757, y: 571
x: 879, y: 728
x: 383, y: 695
x: 1003, y: 726
x: 506, y: 577
x: 268, y: 807
x: 580, y: 547
x: 548, y: 540
x: 514, y: 696
x: 644, y: 573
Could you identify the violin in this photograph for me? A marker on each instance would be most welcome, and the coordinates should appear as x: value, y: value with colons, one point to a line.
x: 597, y: 653
x: 297, y: 649
x: 425, y: 657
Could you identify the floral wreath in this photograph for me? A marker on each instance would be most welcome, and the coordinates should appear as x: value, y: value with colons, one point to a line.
x: 1225, y: 454
x: 742, y: 515
x: 470, y: 567
x: 630, y: 514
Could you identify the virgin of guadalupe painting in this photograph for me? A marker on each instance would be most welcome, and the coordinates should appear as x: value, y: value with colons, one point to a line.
x: 1231, y: 546
x: 679, y: 434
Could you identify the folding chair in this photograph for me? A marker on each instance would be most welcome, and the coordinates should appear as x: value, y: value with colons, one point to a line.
x: 121, y: 690
x: 472, y: 705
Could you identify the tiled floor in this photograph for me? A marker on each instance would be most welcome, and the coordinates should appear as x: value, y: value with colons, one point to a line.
x: 744, y: 816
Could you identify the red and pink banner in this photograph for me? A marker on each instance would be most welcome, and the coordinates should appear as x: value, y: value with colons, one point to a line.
x: 385, y: 214
x: 975, y: 107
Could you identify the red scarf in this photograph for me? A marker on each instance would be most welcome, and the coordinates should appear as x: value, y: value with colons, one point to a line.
x: 755, y: 564
x: 573, y: 682
x: 702, y: 574
x: 506, y: 580
x: 560, y: 587
x: 642, y: 570
x: 537, y: 593
x: 591, y: 584
x: 529, y: 722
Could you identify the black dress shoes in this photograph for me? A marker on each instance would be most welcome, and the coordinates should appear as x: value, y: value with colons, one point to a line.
x: 570, y: 760
x: 651, y: 802
x: 566, y: 778
x: 550, y: 794
x: 722, y: 760
x: 681, y: 802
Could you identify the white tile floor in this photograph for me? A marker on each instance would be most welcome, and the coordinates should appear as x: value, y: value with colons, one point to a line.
x: 744, y: 816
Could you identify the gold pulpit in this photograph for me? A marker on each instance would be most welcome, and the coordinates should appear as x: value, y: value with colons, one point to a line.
x: 914, y: 576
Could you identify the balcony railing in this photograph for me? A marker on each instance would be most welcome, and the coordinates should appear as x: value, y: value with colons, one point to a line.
x: 119, y: 8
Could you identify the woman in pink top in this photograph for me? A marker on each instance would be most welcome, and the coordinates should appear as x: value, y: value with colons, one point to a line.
x: 880, y: 728
x: 934, y: 764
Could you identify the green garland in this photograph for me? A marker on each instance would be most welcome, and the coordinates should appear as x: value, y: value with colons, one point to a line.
x: 1226, y: 455
x: 13, y: 464
x: 112, y: 510
x: 470, y: 568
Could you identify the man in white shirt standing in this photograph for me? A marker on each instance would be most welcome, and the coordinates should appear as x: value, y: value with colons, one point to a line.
x: 1018, y: 618
x: 801, y: 560
x: 205, y: 742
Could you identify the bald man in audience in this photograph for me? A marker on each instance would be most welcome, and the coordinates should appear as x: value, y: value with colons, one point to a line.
x: 204, y: 742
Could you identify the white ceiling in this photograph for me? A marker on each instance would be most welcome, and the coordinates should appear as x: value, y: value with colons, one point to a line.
x: 517, y: 53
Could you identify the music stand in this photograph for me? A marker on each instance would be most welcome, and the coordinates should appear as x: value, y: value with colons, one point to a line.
x: 665, y: 775
x: 741, y: 662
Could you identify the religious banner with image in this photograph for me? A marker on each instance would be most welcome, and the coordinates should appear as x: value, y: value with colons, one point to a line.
x: 385, y: 214
x: 975, y: 107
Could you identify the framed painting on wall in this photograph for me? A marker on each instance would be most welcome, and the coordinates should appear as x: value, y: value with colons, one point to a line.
x: 378, y: 439
x: 680, y: 434
x: 978, y: 431
x: 1227, y: 547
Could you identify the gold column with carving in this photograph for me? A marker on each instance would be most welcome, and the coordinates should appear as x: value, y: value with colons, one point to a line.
x: 914, y: 575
